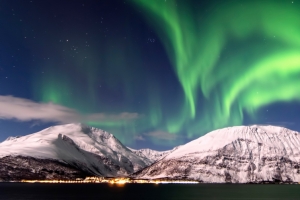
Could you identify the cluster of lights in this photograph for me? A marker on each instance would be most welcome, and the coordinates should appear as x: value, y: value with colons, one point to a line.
x: 118, y: 181
x: 77, y: 180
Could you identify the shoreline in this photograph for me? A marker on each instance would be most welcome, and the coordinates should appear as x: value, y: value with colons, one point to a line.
x: 122, y: 181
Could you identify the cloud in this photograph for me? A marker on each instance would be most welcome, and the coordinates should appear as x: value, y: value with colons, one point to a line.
x: 283, y: 123
x: 121, y: 116
x: 162, y: 135
x: 27, y: 110
x: 35, y: 123
x: 139, y: 137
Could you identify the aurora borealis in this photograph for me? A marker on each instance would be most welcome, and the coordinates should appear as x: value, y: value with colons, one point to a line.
x: 182, y: 67
x: 232, y: 82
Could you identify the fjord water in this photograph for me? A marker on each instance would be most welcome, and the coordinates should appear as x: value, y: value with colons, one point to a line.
x: 23, y: 191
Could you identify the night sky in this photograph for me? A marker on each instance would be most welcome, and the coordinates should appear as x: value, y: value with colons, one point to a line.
x: 155, y: 73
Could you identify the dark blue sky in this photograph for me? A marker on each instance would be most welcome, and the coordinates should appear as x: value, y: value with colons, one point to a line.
x: 120, y: 66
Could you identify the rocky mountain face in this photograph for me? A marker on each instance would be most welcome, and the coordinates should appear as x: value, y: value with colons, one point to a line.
x: 67, y: 151
x: 243, y: 154
x: 16, y: 168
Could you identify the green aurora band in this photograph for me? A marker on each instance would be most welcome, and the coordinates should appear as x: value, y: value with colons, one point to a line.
x: 239, y: 56
x: 231, y: 59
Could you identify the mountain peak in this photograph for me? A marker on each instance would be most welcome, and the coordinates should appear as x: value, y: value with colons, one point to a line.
x: 69, y: 126
x: 12, y: 138
x: 270, y: 135
x: 247, y: 131
x: 237, y: 154
x: 98, y: 151
x: 80, y: 128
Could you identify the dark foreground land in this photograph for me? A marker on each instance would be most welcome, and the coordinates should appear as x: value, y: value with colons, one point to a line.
x: 25, y: 191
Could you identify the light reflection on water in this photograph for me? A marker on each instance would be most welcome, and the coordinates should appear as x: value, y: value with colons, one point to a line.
x: 25, y: 191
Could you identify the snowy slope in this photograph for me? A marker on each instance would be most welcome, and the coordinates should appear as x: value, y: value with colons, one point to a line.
x: 152, y: 155
x: 235, y: 154
x: 90, y: 149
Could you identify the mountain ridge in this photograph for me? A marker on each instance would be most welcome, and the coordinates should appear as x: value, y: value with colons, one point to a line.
x: 242, y: 154
x: 93, y: 151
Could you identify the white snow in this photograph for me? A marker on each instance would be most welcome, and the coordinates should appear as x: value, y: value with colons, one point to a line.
x: 271, y: 136
x: 75, y: 143
x: 151, y: 155
x: 243, y: 153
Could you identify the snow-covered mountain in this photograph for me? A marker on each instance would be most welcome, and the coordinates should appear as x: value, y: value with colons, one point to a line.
x: 73, y: 147
x: 239, y: 154
x: 236, y: 154
x: 152, y: 155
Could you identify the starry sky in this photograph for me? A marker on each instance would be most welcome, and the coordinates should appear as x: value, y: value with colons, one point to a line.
x: 154, y: 73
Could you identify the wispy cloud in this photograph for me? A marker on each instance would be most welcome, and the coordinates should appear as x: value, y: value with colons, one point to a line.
x: 27, y: 110
x: 120, y: 116
x: 283, y: 123
x: 161, y: 135
x: 139, y: 137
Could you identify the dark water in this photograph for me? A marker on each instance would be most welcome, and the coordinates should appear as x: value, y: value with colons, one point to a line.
x: 18, y: 191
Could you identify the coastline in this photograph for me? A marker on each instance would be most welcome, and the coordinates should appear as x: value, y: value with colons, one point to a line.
x: 124, y: 180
